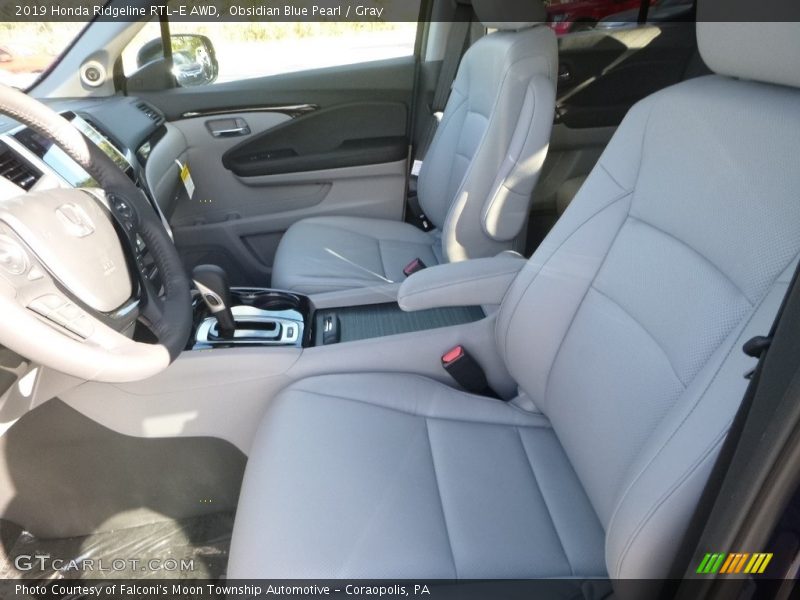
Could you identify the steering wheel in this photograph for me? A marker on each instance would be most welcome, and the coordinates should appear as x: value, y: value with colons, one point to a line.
x: 73, y: 278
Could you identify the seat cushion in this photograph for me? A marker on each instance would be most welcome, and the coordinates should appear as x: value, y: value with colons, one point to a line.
x: 326, y: 254
x: 399, y: 476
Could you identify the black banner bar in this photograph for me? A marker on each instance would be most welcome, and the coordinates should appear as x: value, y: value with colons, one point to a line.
x: 328, y: 10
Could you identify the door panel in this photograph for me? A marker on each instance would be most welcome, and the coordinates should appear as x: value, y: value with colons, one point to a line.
x: 602, y: 73
x: 323, y: 142
x: 243, y: 237
x: 345, y: 135
x: 386, y: 80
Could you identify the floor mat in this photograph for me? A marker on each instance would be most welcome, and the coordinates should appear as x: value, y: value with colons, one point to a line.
x: 195, y: 548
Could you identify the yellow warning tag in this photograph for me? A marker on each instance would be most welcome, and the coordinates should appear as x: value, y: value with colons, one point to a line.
x: 186, y: 178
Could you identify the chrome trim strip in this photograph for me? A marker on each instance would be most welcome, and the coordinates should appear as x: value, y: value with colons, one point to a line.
x: 293, y: 110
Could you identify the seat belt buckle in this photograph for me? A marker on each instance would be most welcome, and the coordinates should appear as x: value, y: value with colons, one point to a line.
x: 414, y: 266
x: 412, y: 200
x: 466, y: 371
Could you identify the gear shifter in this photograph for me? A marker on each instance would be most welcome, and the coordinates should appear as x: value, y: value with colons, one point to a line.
x: 212, y: 281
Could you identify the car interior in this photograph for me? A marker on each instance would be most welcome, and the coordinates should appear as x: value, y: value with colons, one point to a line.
x: 475, y: 313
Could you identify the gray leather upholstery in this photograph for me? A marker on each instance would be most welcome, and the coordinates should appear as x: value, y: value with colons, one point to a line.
x: 624, y: 330
x: 477, y: 282
x: 769, y: 43
x: 768, y: 30
x: 476, y: 182
x: 326, y: 254
x: 398, y: 476
x: 627, y: 324
x: 477, y: 179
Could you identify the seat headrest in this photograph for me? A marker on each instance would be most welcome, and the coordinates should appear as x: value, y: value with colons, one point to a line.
x: 759, y: 41
x: 509, y: 15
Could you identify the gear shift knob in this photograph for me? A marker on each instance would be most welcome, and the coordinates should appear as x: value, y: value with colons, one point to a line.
x: 212, y: 281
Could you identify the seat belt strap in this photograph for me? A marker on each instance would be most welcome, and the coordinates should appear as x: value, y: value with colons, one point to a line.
x: 458, y: 40
x: 418, y: 215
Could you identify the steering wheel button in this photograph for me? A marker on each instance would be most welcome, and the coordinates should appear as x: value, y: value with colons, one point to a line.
x: 13, y: 258
x: 70, y: 312
x: 35, y: 273
x: 123, y: 209
x: 47, y: 304
x: 58, y: 318
x: 82, y: 326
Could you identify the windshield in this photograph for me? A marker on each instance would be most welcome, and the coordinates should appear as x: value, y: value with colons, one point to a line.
x: 28, y: 49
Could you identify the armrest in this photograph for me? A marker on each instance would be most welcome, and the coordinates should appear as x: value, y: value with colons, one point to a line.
x: 468, y: 283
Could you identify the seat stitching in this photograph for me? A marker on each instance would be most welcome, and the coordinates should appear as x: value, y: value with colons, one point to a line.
x: 580, y: 305
x: 544, y: 499
x: 491, y: 119
x: 674, y: 488
x: 629, y: 194
x: 441, y: 501
x: 391, y: 236
x: 612, y: 178
x: 610, y: 246
x: 688, y: 415
x: 549, y: 258
x: 422, y: 416
x: 447, y: 118
x: 466, y: 280
x: 643, y: 328
x: 380, y: 257
x: 495, y: 196
x: 697, y: 252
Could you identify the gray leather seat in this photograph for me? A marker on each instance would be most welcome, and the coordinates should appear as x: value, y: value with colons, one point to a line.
x: 477, y: 178
x: 624, y: 335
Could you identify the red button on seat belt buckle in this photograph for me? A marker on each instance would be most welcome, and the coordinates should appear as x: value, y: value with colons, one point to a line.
x: 453, y: 355
x: 466, y: 371
x: 412, y: 267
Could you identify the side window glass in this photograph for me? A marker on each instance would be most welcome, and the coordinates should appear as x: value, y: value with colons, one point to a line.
x: 243, y: 50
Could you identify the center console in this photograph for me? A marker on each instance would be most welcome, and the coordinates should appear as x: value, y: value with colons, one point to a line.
x: 261, y: 317
x: 244, y: 316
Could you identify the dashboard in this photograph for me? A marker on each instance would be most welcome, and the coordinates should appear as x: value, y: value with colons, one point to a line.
x: 124, y: 128
x: 119, y: 126
x: 61, y: 164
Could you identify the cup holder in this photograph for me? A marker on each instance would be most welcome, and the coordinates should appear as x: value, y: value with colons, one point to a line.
x: 270, y: 300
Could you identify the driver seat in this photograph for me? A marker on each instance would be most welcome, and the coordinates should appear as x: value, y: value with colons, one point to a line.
x: 624, y: 334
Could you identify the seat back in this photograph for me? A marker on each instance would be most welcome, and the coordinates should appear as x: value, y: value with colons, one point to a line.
x: 477, y: 179
x: 626, y: 326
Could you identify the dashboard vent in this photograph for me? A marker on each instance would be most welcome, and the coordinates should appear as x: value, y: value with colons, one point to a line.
x: 150, y: 112
x: 16, y: 170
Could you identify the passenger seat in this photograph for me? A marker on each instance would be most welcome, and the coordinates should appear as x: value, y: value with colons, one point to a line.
x: 477, y: 178
x: 624, y: 335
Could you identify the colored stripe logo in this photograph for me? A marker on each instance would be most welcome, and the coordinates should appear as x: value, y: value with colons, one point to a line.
x: 730, y: 563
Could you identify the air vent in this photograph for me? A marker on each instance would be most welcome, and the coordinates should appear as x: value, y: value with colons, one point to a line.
x: 16, y: 170
x: 150, y: 112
